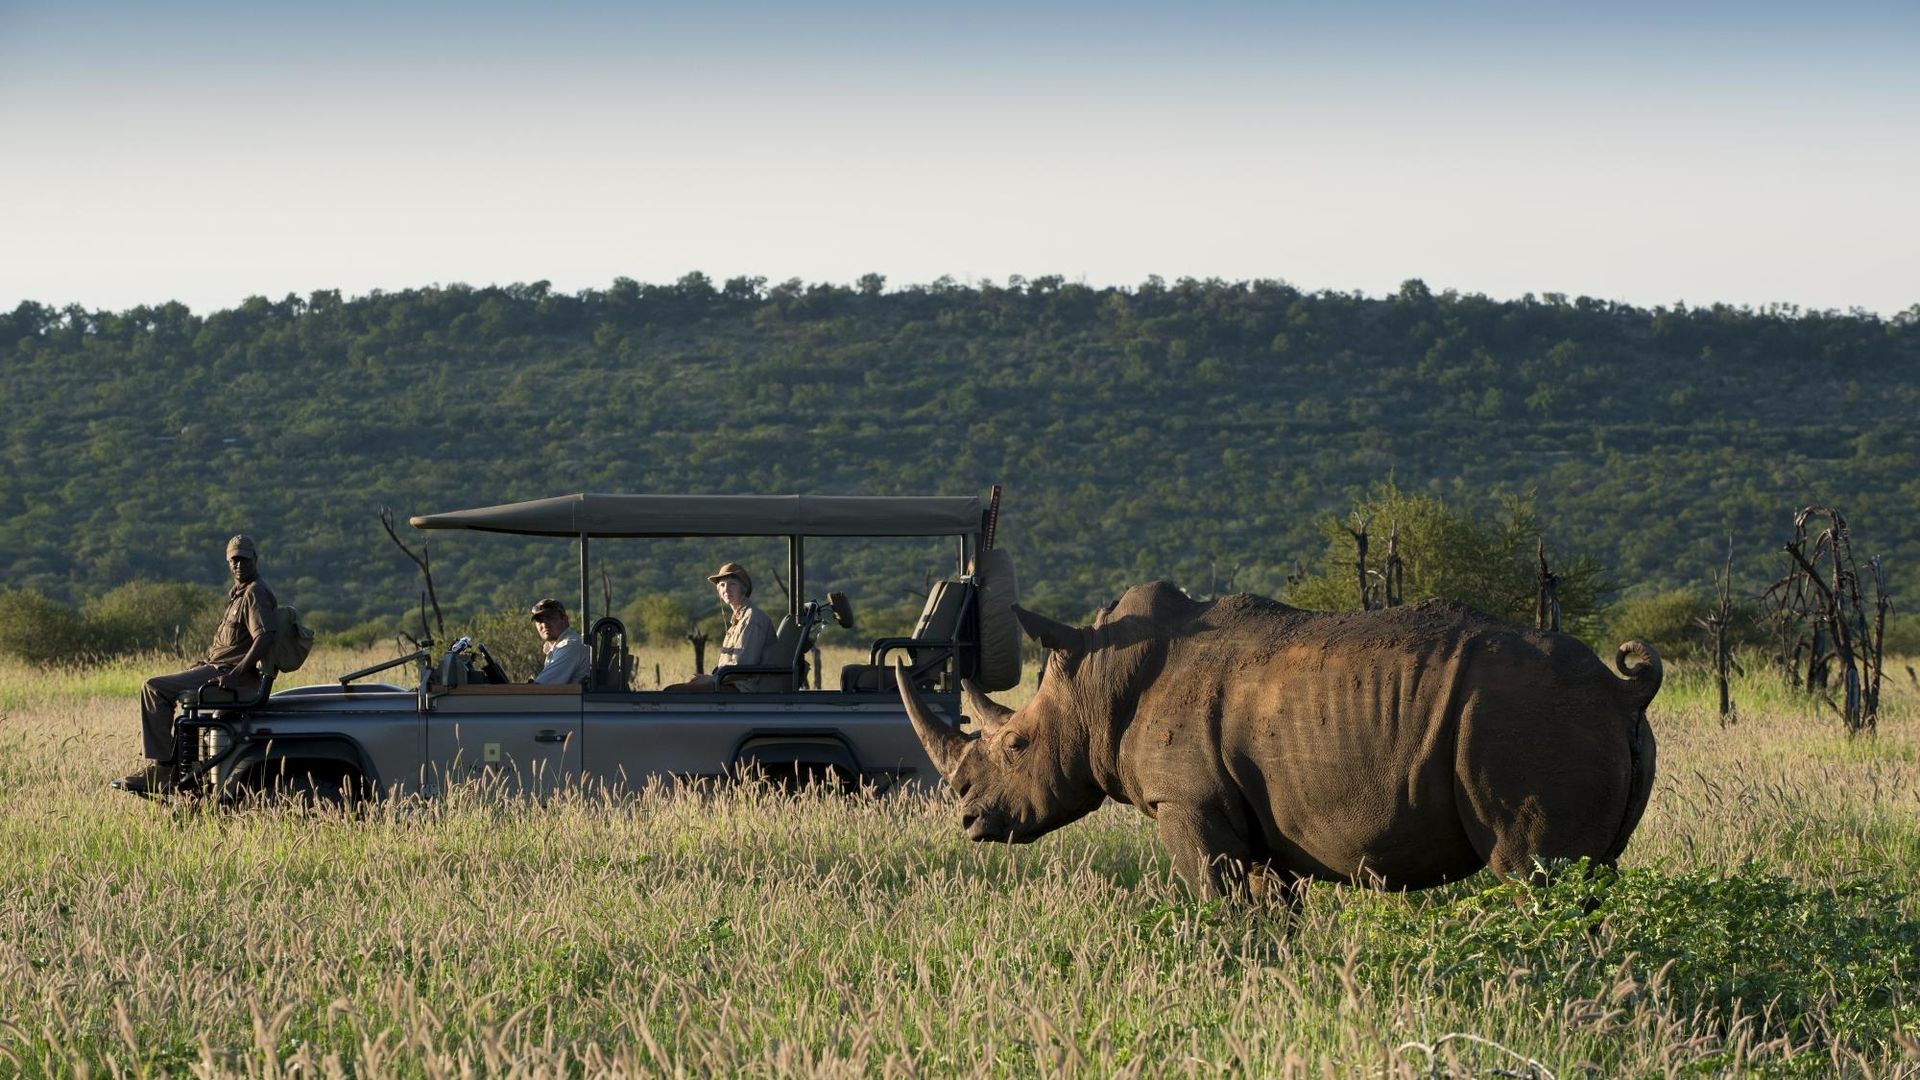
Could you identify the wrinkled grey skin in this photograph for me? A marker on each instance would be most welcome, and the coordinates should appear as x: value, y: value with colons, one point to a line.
x: 1401, y: 748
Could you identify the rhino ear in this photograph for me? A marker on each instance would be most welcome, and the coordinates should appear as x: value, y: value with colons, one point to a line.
x: 1053, y: 635
x: 988, y: 714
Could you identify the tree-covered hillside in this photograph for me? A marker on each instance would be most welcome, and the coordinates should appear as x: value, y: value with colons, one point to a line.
x: 1182, y: 430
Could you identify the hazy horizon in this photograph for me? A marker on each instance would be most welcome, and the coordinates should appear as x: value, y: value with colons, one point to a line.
x: 206, y: 152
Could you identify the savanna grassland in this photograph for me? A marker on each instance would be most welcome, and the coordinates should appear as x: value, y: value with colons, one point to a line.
x: 1760, y: 925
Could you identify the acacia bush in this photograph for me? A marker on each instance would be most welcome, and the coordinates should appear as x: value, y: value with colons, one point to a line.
x: 1491, y: 565
x: 142, y: 615
x: 657, y: 618
x: 510, y: 637
x: 1668, y: 621
x: 138, y: 616
x: 39, y: 629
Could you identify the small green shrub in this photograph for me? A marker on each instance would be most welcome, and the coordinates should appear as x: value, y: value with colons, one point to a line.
x: 1491, y: 564
x: 657, y: 619
x: 364, y: 635
x: 508, y: 635
x: 1664, y: 620
x: 39, y: 629
x: 1902, y: 636
x: 142, y: 615
x: 1667, y: 621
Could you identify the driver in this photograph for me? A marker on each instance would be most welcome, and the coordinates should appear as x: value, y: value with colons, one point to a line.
x: 569, y: 661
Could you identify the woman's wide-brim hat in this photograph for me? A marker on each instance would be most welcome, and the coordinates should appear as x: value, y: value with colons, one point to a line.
x: 733, y: 570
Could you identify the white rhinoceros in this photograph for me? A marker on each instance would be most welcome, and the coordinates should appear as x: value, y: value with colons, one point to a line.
x: 1401, y: 748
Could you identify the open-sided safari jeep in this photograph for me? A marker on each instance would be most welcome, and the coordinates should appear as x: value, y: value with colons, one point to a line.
x: 452, y: 724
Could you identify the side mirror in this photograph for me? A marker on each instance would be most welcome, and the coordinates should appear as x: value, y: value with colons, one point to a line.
x: 842, y: 609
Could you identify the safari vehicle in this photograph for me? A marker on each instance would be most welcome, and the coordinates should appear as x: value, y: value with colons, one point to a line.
x: 451, y: 722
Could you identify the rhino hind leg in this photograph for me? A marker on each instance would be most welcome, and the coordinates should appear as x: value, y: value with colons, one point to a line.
x: 1531, y: 794
x: 1645, y: 754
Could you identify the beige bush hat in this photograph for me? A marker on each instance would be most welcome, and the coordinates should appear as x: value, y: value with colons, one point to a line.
x: 732, y: 570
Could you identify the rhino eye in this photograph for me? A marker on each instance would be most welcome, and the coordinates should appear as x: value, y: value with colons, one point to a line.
x: 1016, y: 742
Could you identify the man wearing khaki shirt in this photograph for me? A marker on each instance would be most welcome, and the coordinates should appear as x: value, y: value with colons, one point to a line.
x: 232, y: 663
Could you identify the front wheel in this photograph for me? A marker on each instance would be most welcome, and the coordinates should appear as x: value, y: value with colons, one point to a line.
x: 321, y: 786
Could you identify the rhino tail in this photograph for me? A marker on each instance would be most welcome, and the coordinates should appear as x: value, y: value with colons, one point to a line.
x: 1643, y: 678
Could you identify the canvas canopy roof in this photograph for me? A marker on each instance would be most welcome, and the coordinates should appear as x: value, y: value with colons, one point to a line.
x: 596, y: 515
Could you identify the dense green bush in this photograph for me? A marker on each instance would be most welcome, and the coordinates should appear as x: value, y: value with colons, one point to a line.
x: 1491, y: 565
x: 38, y: 629
x: 657, y: 619
x: 1903, y: 636
x: 1664, y: 620
x: 364, y: 635
x: 1669, y: 621
x: 509, y: 636
x: 142, y: 615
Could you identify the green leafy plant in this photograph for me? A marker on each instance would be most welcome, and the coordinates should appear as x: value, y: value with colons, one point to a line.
x: 1489, y: 564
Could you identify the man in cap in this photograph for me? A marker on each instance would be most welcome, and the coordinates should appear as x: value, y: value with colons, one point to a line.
x: 569, y: 661
x: 749, y: 631
x: 232, y: 663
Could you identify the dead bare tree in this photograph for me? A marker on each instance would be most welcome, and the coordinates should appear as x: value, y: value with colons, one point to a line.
x: 1393, y: 573
x: 1715, y: 623
x: 1546, y: 601
x: 1367, y: 599
x: 424, y: 562
x: 1818, y: 614
x: 1382, y: 588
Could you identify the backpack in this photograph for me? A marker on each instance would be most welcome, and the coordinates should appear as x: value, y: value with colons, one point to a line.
x: 292, y: 640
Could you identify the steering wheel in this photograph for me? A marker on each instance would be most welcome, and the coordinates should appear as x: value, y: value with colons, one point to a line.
x: 490, y: 667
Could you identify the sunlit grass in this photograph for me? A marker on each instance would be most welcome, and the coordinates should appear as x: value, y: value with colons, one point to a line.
x: 739, y: 932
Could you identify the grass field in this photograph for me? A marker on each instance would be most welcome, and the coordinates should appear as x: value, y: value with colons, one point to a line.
x: 1760, y: 924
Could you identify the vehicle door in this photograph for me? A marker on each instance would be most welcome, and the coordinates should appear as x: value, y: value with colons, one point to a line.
x: 520, y: 739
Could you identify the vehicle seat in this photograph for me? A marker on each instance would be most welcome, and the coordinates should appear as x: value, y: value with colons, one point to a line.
x: 211, y: 696
x: 942, y: 635
x: 785, y: 670
x: 612, y: 662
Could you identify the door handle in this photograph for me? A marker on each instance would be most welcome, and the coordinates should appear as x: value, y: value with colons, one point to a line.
x: 548, y: 735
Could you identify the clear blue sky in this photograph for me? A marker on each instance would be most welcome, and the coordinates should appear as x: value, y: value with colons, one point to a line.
x: 1740, y: 152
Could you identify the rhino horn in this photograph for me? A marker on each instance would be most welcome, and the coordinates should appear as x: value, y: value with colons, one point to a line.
x: 1053, y: 635
x: 986, y: 712
x: 942, y: 741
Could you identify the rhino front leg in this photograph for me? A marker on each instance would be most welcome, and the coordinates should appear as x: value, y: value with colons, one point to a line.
x: 1213, y: 857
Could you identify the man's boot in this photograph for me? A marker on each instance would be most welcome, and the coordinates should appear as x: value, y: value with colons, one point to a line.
x: 155, y: 781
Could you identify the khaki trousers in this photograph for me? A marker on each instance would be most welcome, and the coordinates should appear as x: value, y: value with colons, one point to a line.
x: 162, y: 692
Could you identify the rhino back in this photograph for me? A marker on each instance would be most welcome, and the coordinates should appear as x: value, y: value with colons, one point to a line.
x: 1334, y: 738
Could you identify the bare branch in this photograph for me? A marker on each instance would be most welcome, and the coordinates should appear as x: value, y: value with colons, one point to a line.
x: 421, y: 560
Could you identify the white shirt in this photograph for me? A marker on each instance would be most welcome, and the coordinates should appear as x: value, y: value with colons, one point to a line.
x: 568, y: 661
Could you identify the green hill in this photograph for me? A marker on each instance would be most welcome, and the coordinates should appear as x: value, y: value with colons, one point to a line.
x: 1181, y: 430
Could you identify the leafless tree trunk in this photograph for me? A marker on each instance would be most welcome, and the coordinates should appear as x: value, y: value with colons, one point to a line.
x: 1546, y: 604
x: 1367, y: 602
x: 1715, y: 625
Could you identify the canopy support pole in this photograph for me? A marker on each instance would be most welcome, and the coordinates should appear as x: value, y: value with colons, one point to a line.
x: 584, y: 591
x: 796, y: 574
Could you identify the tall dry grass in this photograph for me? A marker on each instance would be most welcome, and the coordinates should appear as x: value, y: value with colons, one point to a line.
x: 738, y: 932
